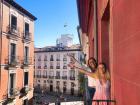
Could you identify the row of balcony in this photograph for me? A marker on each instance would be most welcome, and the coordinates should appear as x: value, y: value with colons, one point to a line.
x: 52, y: 67
x: 14, y: 61
x: 51, y: 59
x: 56, y: 77
x: 14, y: 33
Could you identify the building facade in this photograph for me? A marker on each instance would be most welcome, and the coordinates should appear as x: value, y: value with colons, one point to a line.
x: 16, y: 54
x: 110, y: 31
x: 52, y: 73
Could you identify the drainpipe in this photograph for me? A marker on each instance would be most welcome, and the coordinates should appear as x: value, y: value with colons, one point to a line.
x: 95, y: 29
x: 1, y: 24
x: 0, y: 39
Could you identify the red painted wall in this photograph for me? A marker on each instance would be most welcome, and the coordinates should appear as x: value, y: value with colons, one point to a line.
x: 126, y: 32
x: 123, y: 38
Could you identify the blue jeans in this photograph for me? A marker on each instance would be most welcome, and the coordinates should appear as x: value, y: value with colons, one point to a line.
x: 91, y: 92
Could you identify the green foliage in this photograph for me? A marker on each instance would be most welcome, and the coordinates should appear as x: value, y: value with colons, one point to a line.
x: 82, y: 83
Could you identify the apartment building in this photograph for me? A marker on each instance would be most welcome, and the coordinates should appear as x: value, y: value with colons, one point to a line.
x: 51, y: 71
x: 16, y: 54
x: 65, y: 40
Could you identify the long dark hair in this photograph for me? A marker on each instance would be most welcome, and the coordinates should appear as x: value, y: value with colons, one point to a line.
x: 94, y: 62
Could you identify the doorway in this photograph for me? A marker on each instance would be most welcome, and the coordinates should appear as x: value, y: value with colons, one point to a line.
x: 51, y: 88
x: 105, y: 26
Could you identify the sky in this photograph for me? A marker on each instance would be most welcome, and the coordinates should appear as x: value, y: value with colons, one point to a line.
x: 52, y: 15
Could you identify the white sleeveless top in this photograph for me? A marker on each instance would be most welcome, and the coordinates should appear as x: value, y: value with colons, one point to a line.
x: 91, y: 82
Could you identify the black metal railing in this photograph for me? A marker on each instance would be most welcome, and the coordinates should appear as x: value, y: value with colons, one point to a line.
x: 39, y: 67
x: 64, y: 77
x: 13, y: 92
x: 13, y: 29
x: 27, y: 36
x: 64, y: 59
x: 45, y: 76
x: 64, y: 67
x: 57, y: 67
x: 51, y: 67
x: 72, y: 78
x: 57, y: 77
x: 27, y: 61
x: 51, y: 77
x: 26, y: 89
x: 45, y: 67
x: 38, y: 76
x: 101, y: 102
x: 51, y: 59
x: 12, y: 61
x: 57, y: 59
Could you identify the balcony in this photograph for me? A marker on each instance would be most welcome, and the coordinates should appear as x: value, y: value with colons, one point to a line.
x: 64, y: 59
x: 64, y: 67
x: 57, y: 77
x: 13, y: 32
x: 27, y: 37
x: 51, y: 67
x: 51, y: 77
x: 13, y: 92
x: 25, y: 90
x: 45, y: 67
x: 38, y: 76
x: 12, y: 61
x: 39, y: 59
x: 27, y: 61
x: 51, y: 59
x: 64, y: 77
x: 44, y: 76
x: 39, y: 67
x: 57, y: 67
x: 57, y: 59
x: 58, y: 88
x: 72, y: 78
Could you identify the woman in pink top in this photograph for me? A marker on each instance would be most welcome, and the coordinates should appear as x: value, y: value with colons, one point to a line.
x: 102, y: 80
x: 102, y: 85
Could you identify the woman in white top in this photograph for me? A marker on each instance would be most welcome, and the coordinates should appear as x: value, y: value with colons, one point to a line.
x: 92, y: 65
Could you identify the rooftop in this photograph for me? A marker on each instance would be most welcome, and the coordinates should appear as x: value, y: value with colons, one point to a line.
x: 20, y: 8
x: 58, y: 49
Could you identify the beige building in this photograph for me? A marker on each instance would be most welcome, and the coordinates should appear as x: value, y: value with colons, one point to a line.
x: 16, y: 54
x: 51, y: 70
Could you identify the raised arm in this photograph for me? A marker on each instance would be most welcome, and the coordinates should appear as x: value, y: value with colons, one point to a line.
x: 76, y: 62
x: 94, y: 75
